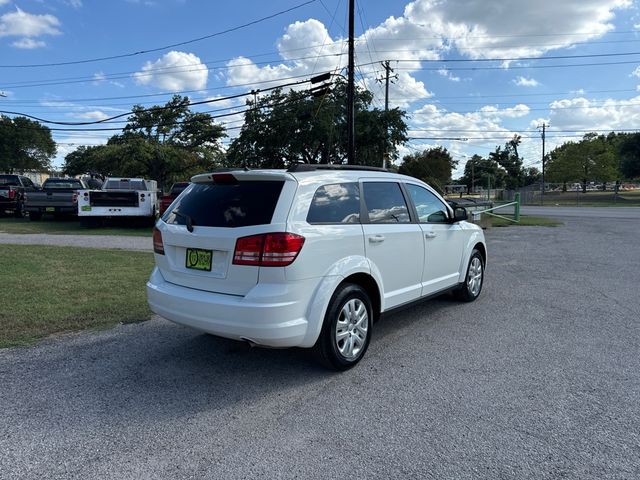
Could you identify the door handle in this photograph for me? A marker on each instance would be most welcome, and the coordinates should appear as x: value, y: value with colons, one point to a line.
x: 430, y: 235
x: 376, y: 239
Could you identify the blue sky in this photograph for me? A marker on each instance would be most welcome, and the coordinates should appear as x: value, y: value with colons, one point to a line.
x: 471, y: 73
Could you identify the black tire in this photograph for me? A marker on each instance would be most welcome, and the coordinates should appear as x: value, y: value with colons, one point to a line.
x: 88, y: 222
x: 35, y: 216
x: 468, y: 291
x: 327, y: 348
x: 19, y: 211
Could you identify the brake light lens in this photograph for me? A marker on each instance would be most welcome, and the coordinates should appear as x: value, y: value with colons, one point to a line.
x: 268, y: 250
x: 12, y: 193
x: 158, y: 246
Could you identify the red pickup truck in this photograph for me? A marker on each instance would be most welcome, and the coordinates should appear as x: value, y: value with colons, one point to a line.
x: 176, y: 189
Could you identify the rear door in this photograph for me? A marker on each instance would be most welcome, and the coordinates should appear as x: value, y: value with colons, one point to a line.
x: 217, y: 215
x: 393, y: 243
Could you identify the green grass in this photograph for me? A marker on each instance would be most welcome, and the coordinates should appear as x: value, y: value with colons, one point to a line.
x: 48, y: 290
x: 68, y: 227
x: 526, y: 221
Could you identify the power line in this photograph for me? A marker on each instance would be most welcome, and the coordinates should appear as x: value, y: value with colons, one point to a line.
x: 165, y: 47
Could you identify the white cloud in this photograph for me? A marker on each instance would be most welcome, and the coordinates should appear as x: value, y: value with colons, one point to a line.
x: 74, y: 3
x: 28, y: 26
x: 3, y: 2
x: 636, y: 72
x: 494, y: 28
x: 446, y: 73
x: 92, y: 115
x: 28, y: 43
x: 174, y: 71
x: 23, y: 24
x: 308, y: 49
x: 526, y: 82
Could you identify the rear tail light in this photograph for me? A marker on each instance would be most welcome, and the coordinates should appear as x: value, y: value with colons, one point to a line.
x: 74, y: 197
x: 12, y: 193
x: 142, y: 197
x: 268, y: 250
x: 158, y: 246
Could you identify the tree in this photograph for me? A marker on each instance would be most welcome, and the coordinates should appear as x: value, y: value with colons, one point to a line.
x: 629, y: 151
x: 591, y: 159
x: 479, y: 171
x: 165, y: 143
x: 509, y: 159
x: 433, y: 166
x: 281, y: 129
x: 25, y: 145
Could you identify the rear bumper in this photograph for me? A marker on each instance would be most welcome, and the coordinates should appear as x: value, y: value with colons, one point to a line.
x: 6, y: 204
x: 265, y: 316
x: 67, y: 210
x: 146, y: 211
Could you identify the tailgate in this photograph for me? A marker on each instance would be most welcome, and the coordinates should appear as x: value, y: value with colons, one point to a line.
x: 114, y: 198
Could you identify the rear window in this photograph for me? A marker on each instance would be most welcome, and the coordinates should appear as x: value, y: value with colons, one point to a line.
x: 10, y: 180
x: 239, y: 205
x: 62, y: 183
x: 125, y: 184
x: 178, y: 188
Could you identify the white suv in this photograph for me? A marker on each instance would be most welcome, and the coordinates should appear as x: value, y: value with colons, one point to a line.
x: 308, y: 257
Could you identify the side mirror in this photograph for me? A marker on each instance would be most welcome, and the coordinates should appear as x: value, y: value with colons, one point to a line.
x: 459, y: 214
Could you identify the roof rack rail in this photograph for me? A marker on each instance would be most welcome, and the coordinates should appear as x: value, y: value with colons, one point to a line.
x: 308, y: 167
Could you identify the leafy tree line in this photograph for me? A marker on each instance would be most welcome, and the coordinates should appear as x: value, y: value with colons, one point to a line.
x: 281, y: 129
x: 24, y: 145
x: 601, y: 158
x: 168, y: 144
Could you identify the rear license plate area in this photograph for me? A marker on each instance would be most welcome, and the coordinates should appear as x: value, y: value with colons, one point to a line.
x: 198, y: 259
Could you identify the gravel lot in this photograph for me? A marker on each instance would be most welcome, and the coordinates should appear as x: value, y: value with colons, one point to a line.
x: 540, y: 378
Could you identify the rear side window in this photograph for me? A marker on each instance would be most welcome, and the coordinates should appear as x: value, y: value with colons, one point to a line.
x: 385, y: 203
x: 242, y: 204
x: 335, y: 203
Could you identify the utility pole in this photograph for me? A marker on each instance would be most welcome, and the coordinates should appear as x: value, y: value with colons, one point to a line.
x: 544, y: 130
x: 473, y: 177
x: 351, y: 144
x: 388, y: 70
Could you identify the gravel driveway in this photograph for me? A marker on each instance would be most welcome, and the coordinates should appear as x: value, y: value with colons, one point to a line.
x: 539, y: 379
x: 89, y: 241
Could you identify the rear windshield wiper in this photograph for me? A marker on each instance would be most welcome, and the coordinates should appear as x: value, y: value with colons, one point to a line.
x: 187, y: 218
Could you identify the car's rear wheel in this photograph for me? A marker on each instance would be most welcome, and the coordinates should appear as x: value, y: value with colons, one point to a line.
x: 346, y: 331
x: 472, y: 286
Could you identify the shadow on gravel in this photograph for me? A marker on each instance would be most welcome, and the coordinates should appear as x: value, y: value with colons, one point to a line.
x: 158, y: 370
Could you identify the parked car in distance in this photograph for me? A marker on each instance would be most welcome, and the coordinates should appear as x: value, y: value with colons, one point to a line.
x: 176, y: 189
x: 119, y: 197
x: 58, y: 196
x: 309, y: 257
x: 12, y: 193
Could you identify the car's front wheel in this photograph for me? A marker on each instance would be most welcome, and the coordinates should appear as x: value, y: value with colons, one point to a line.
x: 472, y: 286
x: 346, y: 331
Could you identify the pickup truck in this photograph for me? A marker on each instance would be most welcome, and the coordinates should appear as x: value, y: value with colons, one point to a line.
x: 12, y: 193
x: 119, y: 197
x: 59, y: 196
x: 176, y: 189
